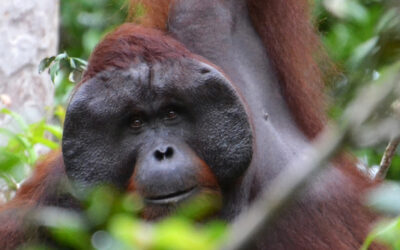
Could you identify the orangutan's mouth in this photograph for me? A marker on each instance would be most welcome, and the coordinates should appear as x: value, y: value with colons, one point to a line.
x: 171, y: 198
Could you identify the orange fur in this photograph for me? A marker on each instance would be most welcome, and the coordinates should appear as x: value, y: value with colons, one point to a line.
x: 295, y: 51
x: 129, y: 41
x: 155, y: 16
x: 35, y: 192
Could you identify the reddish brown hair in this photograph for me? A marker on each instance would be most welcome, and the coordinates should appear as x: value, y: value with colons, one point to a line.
x: 293, y: 45
x: 130, y: 43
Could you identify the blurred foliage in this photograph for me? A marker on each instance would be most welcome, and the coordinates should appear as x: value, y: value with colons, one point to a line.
x: 385, y: 199
x: 362, y: 37
x: 386, y: 232
x: 20, y: 153
x: 64, y: 71
x: 85, y: 22
x: 110, y: 221
x: 23, y: 147
x: 59, y: 64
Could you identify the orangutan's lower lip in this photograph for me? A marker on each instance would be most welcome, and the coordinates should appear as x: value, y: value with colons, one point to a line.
x: 171, y: 198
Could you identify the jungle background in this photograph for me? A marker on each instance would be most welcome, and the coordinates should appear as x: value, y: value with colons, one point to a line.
x: 361, y: 36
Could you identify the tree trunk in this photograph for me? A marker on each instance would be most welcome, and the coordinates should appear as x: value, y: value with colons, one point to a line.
x: 29, y: 32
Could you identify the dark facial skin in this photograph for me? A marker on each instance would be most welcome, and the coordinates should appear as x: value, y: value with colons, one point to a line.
x: 165, y: 124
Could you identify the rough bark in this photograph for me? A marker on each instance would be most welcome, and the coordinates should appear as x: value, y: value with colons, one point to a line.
x: 29, y: 32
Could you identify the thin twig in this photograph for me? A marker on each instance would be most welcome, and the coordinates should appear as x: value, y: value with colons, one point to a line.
x: 390, y: 148
x: 387, y: 158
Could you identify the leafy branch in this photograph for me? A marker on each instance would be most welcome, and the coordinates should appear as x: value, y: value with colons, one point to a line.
x: 63, y: 62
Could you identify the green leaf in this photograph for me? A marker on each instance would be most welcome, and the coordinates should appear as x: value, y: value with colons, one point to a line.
x: 389, y: 19
x: 75, y: 76
x: 72, y: 63
x: 61, y: 56
x: 80, y: 61
x: 386, y: 232
x: 60, y: 113
x: 363, y: 50
x: 131, y: 232
x: 11, y: 183
x: 54, y: 70
x: 32, y: 155
x: 54, y: 130
x: 45, y: 63
x: 7, y: 132
x: 47, y: 143
x: 21, y: 122
x: 8, y: 160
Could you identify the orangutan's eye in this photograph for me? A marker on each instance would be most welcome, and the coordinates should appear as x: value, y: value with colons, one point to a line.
x: 170, y: 115
x: 136, y: 123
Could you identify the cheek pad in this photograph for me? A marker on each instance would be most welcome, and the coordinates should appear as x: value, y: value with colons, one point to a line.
x: 91, y: 151
x: 223, y: 135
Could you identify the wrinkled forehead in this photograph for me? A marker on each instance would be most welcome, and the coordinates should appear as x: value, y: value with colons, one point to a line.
x: 143, y: 82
